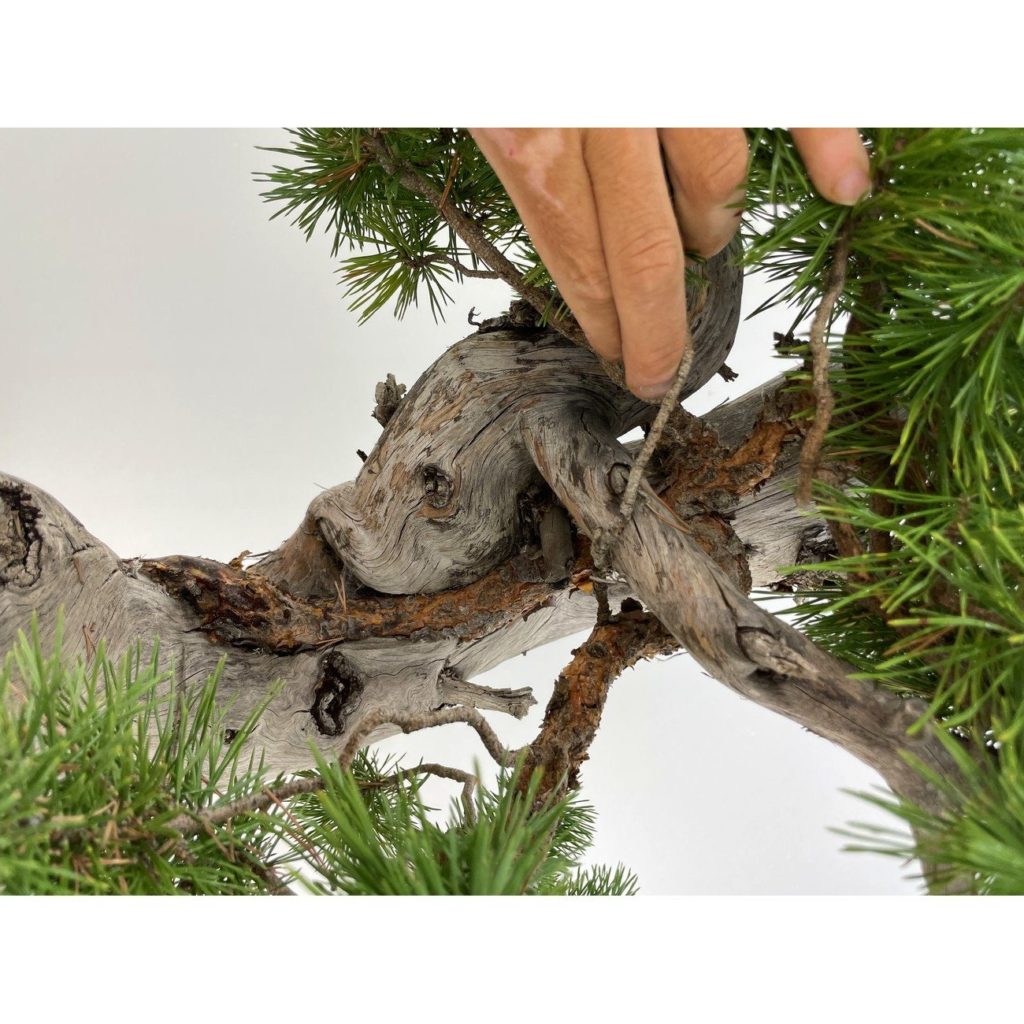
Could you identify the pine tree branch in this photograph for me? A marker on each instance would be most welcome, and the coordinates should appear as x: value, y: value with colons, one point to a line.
x: 471, y: 233
x: 188, y: 820
x: 824, y: 400
x: 574, y: 711
x: 441, y: 771
x: 276, y: 885
x: 466, y: 271
x: 270, y: 796
x: 737, y: 642
x: 298, y: 832
x: 413, y: 723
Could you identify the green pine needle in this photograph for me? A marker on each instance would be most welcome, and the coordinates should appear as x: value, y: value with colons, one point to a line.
x: 100, y: 764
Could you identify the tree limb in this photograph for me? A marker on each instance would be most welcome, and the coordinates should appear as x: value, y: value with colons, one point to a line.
x: 471, y: 233
x: 824, y: 401
x: 737, y: 642
x: 574, y: 711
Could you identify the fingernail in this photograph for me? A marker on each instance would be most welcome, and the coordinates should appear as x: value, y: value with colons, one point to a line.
x: 652, y: 392
x: 852, y: 186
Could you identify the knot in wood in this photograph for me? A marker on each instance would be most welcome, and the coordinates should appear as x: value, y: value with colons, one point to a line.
x: 618, y: 476
x: 388, y: 393
x: 20, y: 537
x: 437, y: 487
x: 338, y: 693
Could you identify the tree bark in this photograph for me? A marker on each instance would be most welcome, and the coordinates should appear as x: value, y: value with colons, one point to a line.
x: 452, y: 552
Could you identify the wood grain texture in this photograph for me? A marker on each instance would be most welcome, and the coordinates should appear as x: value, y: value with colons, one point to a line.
x: 450, y: 554
x: 736, y: 641
x: 438, y: 501
x: 411, y: 653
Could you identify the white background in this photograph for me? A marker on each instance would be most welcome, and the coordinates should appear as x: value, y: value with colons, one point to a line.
x: 184, y: 375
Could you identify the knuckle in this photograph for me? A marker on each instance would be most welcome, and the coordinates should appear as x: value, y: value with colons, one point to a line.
x: 645, y: 369
x: 717, y: 177
x: 591, y: 288
x: 651, y: 261
x: 593, y: 293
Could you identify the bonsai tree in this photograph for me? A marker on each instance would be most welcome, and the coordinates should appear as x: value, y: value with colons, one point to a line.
x: 498, y: 510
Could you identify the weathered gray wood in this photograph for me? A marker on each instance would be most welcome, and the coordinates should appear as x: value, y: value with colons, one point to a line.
x: 437, y: 502
x: 51, y: 566
x: 768, y: 522
x: 51, y: 561
x: 451, y: 490
x: 735, y: 640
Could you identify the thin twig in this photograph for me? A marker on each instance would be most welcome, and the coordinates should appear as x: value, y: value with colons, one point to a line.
x: 189, y: 820
x: 413, y: 723
x: 276, y: 885
x: 651, y: 442
x: 810, y: 453
x: 468, y: 271
x: 179, y: 849
x: 303, y: 841
x: 605, y: 542
x: 931, y: 229
x: 442, y: 771
x: 468, y: 780
x: 452, y: 168
x: 472, y: 234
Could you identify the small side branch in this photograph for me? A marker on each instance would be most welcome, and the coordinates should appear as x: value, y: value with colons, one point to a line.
x: 453, y: 689
x: 824, y: 400
x: 471, y: 233
x: 574, y: 712
x: 387, y: 395
x: 441, y: 771
x: 208, y: 821
x: 668, y: 404
x: 189, y: 821
x: 465, y: 271
x: 413, y: 723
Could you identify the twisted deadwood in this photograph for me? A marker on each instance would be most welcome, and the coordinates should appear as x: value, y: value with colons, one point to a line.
x: 448, y: 555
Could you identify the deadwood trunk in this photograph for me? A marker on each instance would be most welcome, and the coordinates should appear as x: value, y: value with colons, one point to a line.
x: 466, y: 540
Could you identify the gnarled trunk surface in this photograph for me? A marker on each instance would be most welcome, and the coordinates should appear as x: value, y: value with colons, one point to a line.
x: 465, y: 541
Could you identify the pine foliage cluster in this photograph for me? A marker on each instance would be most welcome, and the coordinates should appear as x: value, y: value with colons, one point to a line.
x: 401, y: 246
x: 112, y: 784
x: 926, y: 444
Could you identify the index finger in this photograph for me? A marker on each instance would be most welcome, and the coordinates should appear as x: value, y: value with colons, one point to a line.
x: 644, y: 253
x: 836, y: 161
x: 544, y: 173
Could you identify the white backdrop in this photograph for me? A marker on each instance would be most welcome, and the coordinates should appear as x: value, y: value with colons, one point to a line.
x: 164, y: 345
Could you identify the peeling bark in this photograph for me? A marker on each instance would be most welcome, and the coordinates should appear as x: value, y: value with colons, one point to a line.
x: 735, y: 640
x: 574, y: 712
x: 452, y: 552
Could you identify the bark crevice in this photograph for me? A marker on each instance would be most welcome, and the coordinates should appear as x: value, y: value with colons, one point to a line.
x: 466, y: 540
x: 19, y: 537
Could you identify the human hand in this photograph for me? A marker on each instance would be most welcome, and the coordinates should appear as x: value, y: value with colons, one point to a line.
x: 597, y: 205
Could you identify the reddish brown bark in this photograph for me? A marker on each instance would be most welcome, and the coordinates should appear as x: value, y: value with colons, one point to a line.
x: 574, y: 711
